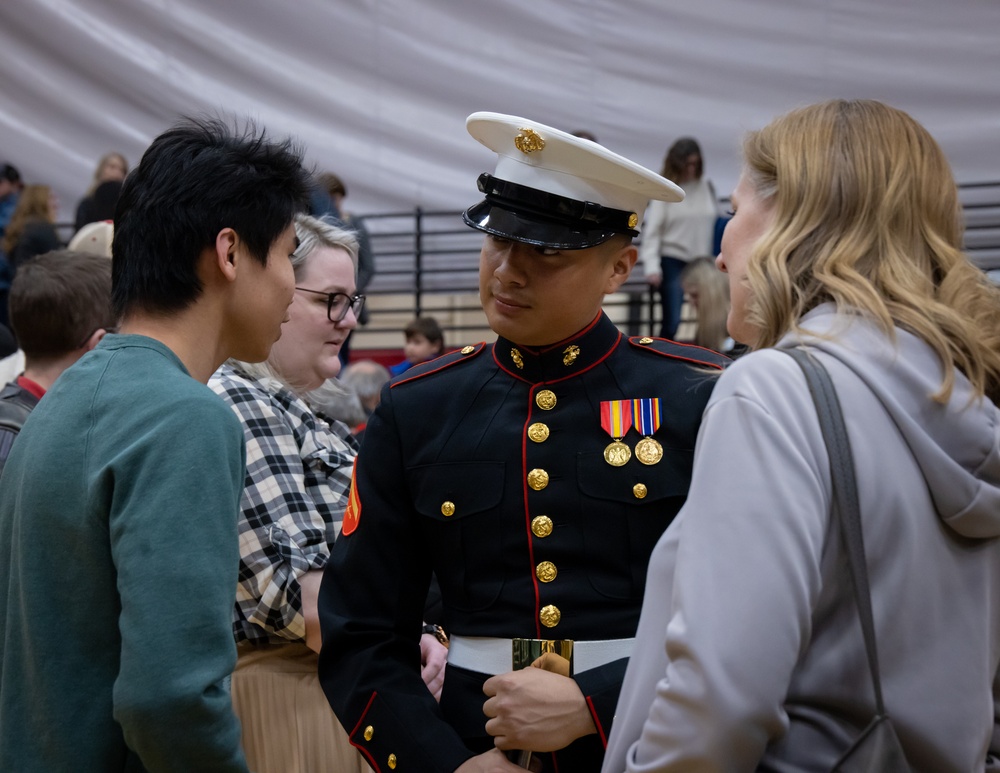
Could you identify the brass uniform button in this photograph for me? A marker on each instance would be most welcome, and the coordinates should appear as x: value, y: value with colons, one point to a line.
x: 468, y: 349
x: 541, y: 526
x: 645, y: 341
x: 538, y: 432
x: 550, y: 616
x: 369, y: 732
x: 546, y: 399
x: 538, y: 479
x: 447, y: 509
x: 546, y: 571
x: 640, y: 491
x: 392, y: 761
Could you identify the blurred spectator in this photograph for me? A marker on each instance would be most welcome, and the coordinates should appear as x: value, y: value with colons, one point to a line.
x: 113, y: 167
x: 60, y: 308
x: 337, y: 192
x: 94, y: 238
x: 31, y: 230
x: 366, y: 378
x: 677, y: 233
x: 10, y: 190
x: 100, y: 205
x: 424, y: 341
x: 707, y: 290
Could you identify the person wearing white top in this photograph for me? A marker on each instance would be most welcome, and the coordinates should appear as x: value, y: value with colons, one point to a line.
x: 675, y: 234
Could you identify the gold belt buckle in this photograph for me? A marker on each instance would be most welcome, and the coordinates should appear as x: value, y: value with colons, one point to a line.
x: 524, y: 652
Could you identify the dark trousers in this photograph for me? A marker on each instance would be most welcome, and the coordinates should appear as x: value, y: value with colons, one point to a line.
x: 671, y: 295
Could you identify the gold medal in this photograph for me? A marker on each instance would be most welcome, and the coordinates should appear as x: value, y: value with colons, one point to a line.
x: 648, y: 451
x: 617, y: 454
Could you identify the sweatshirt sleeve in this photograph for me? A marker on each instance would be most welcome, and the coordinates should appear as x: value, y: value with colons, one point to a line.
x: 174, y: 547
x: 652, y: 237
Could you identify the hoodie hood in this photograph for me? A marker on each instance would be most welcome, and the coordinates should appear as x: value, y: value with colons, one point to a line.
x: 956, y: 445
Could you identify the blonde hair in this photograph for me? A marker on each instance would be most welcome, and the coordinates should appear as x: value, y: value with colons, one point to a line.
x: 712, y: 305
x: 32, y: 205
x: 866, y: 215
x: 99, y: 170
x: 312, y: 233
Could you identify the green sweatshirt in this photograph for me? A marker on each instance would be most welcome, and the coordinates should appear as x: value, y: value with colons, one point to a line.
x: 118, y: 570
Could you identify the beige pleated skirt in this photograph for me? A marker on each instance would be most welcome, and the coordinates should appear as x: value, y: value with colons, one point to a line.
x: 288, y: 726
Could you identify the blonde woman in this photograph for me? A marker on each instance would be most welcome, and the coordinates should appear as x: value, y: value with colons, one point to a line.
x: 749, y: 656
x: 707, y: 290
x: 32, y: 228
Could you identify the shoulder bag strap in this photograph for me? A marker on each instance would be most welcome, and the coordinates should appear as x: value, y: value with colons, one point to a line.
x: 845, y: 498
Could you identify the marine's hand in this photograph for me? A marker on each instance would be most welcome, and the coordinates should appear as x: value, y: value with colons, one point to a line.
x: 535, y: 709
x: 493, y: 761
x: 433, y: 658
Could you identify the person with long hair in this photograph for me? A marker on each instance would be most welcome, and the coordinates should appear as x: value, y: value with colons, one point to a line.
x: 676, y: 234
x: 98, y: 203
x: 846, y: 242
x: 32, y: 226
x: 707, y: 290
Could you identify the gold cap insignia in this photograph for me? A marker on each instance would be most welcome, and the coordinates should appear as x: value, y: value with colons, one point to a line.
x: 570, y: 353
x: 529, y: 141
x: 633, y: 220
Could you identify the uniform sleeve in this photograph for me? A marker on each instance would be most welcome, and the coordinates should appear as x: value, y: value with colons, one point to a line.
x: 745, y: 581
x: 652, y: 237
x: 174, y: 546
x: 370, y: 606
x: 601, y: 687
x: 297, y: 481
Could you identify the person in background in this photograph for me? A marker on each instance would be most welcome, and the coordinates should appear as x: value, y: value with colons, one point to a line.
x: 127, y: 476
x: 60, y: 309
x: 10, y: 191
x: 707, y: 290
x: 337, y: 191
x: 424, y: 341
x: 678, y: 233
x: 846, y: 242
x: 32, y: 230
x: 298, y: 475
x: 493, y: 468
x: 112, y: 168
x: 366, y: 378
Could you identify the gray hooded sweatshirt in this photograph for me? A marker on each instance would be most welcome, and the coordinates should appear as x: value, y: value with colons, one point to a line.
x: 749, y: 652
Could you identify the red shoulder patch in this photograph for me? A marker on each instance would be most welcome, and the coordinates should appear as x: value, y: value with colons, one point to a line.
x: 352, y: 515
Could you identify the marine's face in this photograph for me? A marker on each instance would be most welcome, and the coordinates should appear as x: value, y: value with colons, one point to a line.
x: 537, y: 296
x: 752, y: 216
x: 308, y: 352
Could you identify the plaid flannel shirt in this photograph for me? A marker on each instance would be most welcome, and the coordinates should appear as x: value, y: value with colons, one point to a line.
x: 297, y: 483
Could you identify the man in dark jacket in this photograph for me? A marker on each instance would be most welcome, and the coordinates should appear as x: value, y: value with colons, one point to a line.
x: 532, y: 476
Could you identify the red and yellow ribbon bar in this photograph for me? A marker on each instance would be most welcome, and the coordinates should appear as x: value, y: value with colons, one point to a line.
x: 616, y: 417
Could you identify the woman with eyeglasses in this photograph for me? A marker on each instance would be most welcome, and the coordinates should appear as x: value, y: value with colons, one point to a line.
x: 298, y: 480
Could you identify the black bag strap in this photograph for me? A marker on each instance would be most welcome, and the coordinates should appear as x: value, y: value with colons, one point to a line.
x: 845, y: 498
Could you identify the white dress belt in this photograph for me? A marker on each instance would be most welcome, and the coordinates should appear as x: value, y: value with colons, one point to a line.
x: 495, y: 656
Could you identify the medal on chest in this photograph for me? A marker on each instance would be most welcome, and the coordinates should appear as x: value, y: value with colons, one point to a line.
x: 616, y: 420
x: 646, y: 417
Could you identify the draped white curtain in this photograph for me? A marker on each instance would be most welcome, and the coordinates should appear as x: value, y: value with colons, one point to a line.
x: 378, y: 90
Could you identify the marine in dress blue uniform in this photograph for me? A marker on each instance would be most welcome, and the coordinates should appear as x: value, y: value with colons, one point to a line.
x: 497, y: 469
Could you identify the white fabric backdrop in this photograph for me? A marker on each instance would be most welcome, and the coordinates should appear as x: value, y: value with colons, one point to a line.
x: 378, y: 90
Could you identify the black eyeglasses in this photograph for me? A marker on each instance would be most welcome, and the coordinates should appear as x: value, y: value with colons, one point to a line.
x: 337, y: 304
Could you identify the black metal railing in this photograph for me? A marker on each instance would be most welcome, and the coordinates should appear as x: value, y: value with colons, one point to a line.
x: 427, y: 258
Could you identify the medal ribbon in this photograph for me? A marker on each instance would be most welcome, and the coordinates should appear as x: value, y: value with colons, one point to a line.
x: 646, y: 413
x: 616, y: 417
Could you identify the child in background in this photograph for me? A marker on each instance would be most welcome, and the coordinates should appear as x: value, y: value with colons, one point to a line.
x: 424, y: 341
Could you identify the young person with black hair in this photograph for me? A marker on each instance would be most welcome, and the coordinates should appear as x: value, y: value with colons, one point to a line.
x: 123, y: 488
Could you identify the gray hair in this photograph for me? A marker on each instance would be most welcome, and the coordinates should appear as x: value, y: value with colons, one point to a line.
x: 313, y: 234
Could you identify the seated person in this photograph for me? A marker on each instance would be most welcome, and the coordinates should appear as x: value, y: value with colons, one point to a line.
x: 424, y: 341
x: 60, y: 307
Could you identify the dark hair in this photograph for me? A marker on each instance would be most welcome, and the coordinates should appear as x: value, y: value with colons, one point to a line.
x: 429, y: 328
x: 57, y: 300
x: 9, y: 173
x: 194, y: 180
x: 332, y: 184
x: 677, y: 157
